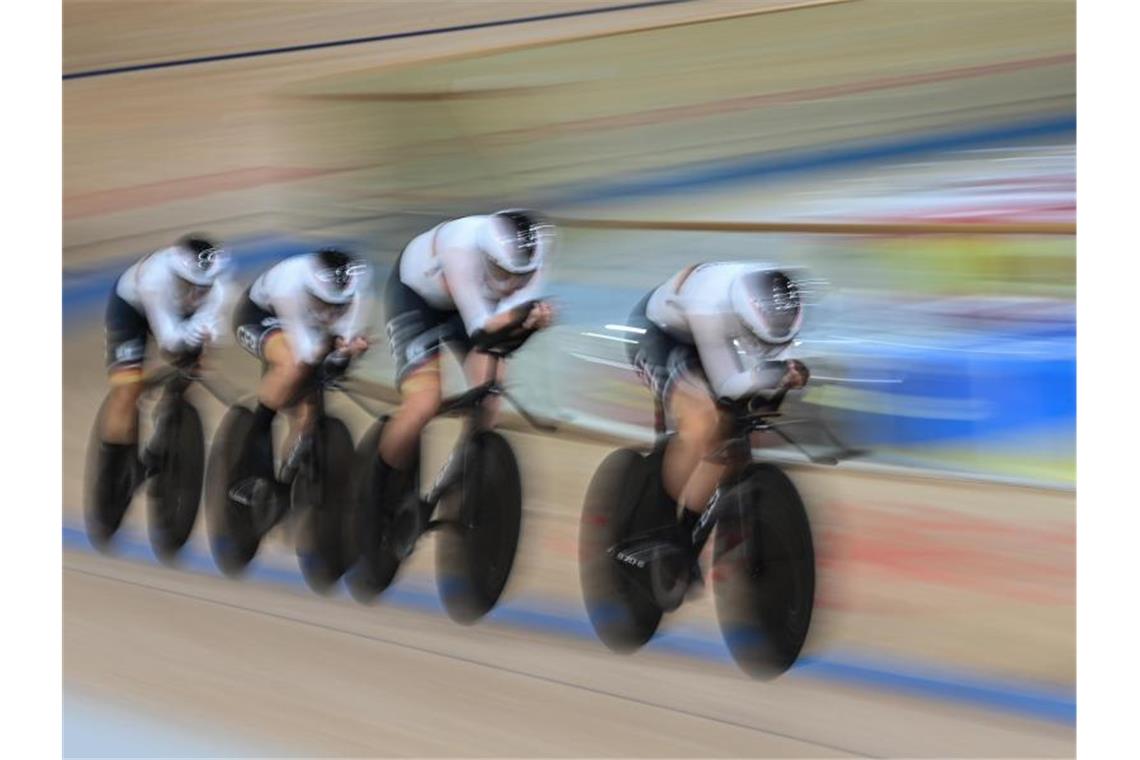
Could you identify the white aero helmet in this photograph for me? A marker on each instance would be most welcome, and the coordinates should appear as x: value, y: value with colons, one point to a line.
x: 514, y: 243
x: 768, y: 302
x: 334, y: 276
x: 199, y: 260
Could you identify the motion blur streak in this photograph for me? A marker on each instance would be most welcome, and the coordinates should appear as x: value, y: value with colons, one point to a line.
x: 913, y: 163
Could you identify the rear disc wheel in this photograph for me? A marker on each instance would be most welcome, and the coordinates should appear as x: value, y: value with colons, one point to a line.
x: 231, y: 527
x: 108, y: 487
x: 624, y: 500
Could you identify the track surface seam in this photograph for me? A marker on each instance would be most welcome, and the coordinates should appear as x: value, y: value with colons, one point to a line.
x: 305, y: 47
x: 459, y: 658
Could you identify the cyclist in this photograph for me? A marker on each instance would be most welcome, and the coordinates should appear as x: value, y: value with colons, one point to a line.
x: 460, y: 282
x: 175, y: 294
x: 712, y: 333
x: 293, y: 317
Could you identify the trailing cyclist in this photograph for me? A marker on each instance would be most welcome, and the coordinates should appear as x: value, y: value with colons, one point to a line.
x: 292, y: 318
x: 176, y: 295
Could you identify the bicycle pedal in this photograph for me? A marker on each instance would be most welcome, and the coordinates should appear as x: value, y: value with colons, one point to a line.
x: 641, y: 553
x: 250, y: 492
x: 662, y: 568
x: 637, y: 558
x: 670, y: 581
x: 406, y: 527
x: 150, y: 462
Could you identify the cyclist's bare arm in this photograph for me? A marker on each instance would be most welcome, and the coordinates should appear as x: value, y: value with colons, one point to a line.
x: 722, y: 366
x: 537, y: 316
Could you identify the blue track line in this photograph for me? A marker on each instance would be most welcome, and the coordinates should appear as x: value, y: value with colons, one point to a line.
x: 362, y: 40
x: 96, y: 726
x: 1048, y: 703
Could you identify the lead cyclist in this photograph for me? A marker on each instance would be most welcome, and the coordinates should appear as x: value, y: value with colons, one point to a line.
x: 712, y: 333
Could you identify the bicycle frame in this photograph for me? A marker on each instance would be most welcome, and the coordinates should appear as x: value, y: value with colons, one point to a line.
x: 304, y: 452
x: 471, y: 403
x: 478, y: 418
x: 175, y: 379
x: 736, y: 453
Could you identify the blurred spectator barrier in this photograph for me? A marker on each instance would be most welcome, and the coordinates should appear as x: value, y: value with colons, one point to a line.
x: 938, y: 345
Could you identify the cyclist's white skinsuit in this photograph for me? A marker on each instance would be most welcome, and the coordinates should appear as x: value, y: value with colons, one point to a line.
x: 445, y: 266
x: 180, y: 314
x: 281, y: 290
x: 736, y: 363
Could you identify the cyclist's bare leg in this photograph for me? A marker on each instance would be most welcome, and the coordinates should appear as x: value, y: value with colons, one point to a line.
x: 421, y: 393
x: 689, y: 471
x: 278, y: 387
x: 284, y: 375
x: 690, y: 478
x: 302, y: 417
x: 120, y: 421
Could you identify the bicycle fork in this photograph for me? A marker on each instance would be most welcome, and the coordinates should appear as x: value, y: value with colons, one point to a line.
x: 154, y: 450
x: 707, y: 521
x: 274, y: 502
x: 449, y: 476
x: 294, y: 458
x: 734, y: 453
x: 412, y: 517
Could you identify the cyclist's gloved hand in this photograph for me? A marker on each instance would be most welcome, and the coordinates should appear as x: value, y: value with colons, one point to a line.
x: 336, y: 363
x: 507, y: 331
x: 540, y: 317
x: 197, y: 334
x: 797, y: 375
x: 189, y: 358
x: 353, y: 347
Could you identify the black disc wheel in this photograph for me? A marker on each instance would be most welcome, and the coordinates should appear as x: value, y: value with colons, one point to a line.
x: 322, y: 495
x: 231, y: 527
x: 175, y: 491
x: 764, y: 571
x: 483, y: 513
x: 377, y: 490
x: 624, y: 500
x: 109, y: 480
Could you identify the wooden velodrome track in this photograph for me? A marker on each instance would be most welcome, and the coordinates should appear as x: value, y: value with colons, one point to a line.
x: 969, y: 578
